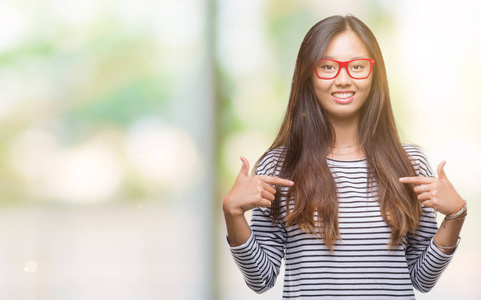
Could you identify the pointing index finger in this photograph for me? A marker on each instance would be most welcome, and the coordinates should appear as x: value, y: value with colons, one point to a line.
x: 417, y: 180
x: 276, y: 180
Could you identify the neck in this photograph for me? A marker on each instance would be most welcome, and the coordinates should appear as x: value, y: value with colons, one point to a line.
x: 346, y: 144
x: 346, y: 132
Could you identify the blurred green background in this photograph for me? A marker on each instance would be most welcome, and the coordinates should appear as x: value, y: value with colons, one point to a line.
x: 122, y: 124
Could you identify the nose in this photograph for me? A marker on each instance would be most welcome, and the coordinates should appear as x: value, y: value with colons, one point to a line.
x: 343, y: 77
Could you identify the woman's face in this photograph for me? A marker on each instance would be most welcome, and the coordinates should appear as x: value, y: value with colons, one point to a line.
x: 342, y: 97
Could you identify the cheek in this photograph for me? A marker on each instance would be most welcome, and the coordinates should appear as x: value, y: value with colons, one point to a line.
x: 363, y: 92
x: 322, y: 89
x: 365, y: 87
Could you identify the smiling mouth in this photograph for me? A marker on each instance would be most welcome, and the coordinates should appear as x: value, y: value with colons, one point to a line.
x: 343, y: 95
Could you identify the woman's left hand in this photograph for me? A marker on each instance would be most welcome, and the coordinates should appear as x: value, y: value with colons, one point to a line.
x: 437, y: 193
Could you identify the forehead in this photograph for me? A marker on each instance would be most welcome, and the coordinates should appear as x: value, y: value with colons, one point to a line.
x: 346, y: 46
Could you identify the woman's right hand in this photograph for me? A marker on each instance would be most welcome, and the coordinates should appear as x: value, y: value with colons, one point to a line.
x: 249, y: 192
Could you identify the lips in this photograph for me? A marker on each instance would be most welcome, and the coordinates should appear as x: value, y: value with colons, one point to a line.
x: 343, y: 97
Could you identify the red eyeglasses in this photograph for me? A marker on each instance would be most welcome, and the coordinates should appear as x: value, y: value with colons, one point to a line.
x: 356, y: 68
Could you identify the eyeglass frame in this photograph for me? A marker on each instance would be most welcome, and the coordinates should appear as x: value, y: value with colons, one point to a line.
x: 344, y: 64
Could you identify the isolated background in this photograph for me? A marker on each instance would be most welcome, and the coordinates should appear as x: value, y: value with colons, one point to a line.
x: 122, y: 124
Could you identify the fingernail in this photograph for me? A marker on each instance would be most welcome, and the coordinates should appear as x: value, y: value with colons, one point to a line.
x: 291, y: 182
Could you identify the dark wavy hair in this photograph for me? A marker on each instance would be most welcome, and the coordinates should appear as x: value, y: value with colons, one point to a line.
x: 306, y: 136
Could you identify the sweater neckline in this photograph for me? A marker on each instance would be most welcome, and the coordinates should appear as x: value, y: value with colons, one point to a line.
x: 346, y: 161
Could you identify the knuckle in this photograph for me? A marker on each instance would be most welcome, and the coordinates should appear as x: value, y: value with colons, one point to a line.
x: 264, y: 203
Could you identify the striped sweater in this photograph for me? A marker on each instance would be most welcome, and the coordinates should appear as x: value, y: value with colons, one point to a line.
x: 361, y: 266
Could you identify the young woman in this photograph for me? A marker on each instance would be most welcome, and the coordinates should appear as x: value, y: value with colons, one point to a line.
x: 353, y: 210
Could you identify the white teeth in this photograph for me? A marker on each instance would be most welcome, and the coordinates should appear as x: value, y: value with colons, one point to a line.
x: 343, y: 95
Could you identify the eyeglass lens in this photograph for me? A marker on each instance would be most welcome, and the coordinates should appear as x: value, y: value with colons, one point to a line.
x: 329, y: 69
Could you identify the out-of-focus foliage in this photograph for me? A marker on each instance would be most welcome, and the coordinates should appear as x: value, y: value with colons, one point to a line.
x: 73, y: 92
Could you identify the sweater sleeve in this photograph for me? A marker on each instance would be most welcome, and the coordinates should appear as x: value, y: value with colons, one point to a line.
x: 259, y: 259
x: 425, y: 261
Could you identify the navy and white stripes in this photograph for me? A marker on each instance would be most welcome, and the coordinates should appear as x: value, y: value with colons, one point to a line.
x: 361, y: 266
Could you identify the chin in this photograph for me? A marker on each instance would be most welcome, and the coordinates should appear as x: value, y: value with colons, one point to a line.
x: 344, y: 115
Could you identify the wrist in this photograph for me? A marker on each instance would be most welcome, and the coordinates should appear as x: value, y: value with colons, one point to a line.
x: 458, y: 212
x: 229, y: 211
x: 458, y: 215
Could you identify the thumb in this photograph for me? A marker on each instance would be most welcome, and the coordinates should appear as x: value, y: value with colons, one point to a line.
x: 245, y: 167
x: 441, y: 173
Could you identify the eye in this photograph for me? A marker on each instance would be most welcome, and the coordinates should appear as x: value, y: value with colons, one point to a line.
x: 328, y: 66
